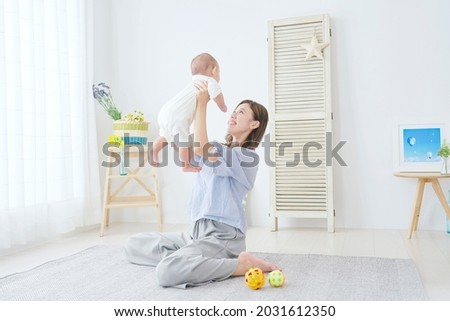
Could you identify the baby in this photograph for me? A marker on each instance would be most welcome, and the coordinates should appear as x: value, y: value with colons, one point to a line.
x: 177, y: 114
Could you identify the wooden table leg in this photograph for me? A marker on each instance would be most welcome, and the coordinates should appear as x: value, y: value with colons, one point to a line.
x: 106, y: 200
x: 156, y: 192
x: 440, y: 194
x: 417, y: 205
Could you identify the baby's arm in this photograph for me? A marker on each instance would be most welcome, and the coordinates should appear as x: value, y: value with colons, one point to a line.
x: 219, y: 100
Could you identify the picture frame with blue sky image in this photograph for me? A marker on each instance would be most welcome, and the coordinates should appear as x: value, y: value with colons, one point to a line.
x: 418, y: 145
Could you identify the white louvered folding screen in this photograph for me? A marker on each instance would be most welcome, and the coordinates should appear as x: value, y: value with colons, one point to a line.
x: 300, y: 104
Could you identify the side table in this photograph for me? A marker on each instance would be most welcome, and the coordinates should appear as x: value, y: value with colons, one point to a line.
x: 147, y: 182
x: 422, y: 179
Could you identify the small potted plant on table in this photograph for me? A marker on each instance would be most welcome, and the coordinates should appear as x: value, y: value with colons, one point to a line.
x: 444, y: 153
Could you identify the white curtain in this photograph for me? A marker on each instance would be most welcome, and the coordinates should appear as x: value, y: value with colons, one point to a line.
x: 49, y: 180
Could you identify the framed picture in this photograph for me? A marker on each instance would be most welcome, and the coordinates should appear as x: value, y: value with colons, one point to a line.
x: 417, y: 147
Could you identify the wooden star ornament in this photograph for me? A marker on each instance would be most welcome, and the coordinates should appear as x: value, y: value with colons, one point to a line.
x: 314, y: 48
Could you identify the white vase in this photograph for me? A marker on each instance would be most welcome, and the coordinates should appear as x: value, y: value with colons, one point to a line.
x: 445, y: 166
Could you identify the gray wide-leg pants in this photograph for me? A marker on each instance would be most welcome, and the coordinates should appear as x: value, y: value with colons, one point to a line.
x: 208, y: 252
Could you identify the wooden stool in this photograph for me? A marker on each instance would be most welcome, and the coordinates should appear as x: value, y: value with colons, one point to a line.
x: 111, y: 198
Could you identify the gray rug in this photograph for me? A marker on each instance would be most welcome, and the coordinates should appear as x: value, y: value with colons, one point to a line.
x: 102, y: 273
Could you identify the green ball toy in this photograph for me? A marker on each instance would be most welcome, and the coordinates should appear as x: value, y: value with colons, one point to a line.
x: 276, y: 278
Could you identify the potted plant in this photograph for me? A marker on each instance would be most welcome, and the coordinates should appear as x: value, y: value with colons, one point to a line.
x: 103, y: 95
x: 132, y: 128
x: 444, y: 153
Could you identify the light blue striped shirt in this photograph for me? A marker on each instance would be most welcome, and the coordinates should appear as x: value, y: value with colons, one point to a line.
x: 220, y: 187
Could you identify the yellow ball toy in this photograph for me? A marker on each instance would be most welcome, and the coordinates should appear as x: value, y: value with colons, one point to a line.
x: 255, y: 278
x: 276, y: 278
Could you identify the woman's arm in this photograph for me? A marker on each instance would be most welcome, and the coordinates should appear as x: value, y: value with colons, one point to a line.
x: 202, y: 146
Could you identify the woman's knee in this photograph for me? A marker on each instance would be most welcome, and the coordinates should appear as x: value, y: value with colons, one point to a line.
x: 139, y: 249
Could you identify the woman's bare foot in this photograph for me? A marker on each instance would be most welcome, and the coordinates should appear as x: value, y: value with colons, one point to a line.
x: 247, y: 261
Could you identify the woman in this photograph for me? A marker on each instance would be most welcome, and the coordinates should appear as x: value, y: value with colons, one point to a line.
x: 214, y: 248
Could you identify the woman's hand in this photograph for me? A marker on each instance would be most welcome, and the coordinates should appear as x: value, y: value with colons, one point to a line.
x: 202, y: 93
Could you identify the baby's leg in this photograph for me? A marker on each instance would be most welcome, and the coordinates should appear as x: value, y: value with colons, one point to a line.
x: 158, y: 144
x: 186, y: 160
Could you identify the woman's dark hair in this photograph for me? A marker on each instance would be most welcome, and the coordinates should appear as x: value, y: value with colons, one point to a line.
x: 254, y: 138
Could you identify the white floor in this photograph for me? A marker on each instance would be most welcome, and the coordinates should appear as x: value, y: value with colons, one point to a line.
x: 430, y: 250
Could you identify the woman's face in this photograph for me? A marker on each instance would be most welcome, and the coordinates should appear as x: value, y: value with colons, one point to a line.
x: 241, y: 121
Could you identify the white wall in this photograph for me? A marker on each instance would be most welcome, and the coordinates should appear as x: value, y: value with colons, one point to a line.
x: 390, y: 63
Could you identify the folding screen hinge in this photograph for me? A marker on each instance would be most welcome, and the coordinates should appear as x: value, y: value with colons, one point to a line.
x: 334, y: 212
x: 330, y: 32
x: 332, y: 116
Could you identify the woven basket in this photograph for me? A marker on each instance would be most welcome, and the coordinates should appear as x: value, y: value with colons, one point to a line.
x: 132, y: 133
